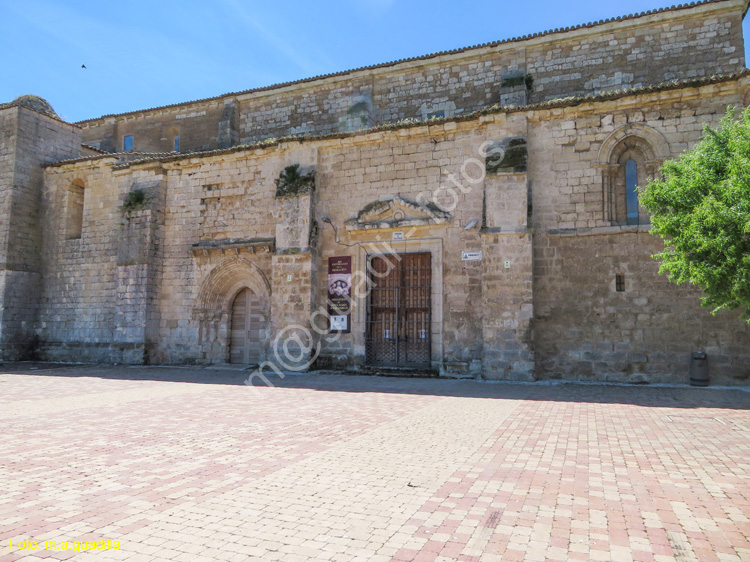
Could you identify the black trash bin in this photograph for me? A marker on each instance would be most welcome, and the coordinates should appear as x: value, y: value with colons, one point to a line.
x: 699, y: 369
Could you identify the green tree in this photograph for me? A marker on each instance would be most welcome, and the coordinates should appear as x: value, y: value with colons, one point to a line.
x: 701, y: 208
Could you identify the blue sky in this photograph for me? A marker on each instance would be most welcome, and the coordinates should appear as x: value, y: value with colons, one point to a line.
x: 144, y: 54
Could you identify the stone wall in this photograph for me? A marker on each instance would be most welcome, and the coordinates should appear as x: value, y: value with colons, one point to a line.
x: 218, y: 238
x: 8, y: 137
x: 28, y: 139
x: 683, y: 43
x: 197, y: 126
x: 583, y: 327
x: 157, y: 284
x: 443, y: 165
x: 80, y: 300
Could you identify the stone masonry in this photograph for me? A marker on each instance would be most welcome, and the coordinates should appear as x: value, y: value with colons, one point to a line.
x: 504, y: 162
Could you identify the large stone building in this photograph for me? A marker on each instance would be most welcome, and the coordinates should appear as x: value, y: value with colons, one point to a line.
x: 477, y: 204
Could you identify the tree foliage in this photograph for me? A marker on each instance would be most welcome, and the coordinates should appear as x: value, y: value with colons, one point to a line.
x: 701, y: 208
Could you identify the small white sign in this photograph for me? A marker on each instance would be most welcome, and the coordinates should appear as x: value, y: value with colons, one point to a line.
x: 398, y: 235
x: 475, y: 255
x: 338, y: 323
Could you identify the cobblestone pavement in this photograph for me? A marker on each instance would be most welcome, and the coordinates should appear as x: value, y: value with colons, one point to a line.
x: 191, y: 465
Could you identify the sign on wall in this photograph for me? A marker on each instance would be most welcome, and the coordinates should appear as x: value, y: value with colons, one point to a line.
x: 339, y: 293
x: 467, y: 255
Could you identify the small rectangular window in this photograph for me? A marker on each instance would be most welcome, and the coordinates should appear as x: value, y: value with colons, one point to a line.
x: 127, y: 143
x: 74, y: 226
x: 620, y: 283
x: 436, y: 115
x: 177, y: 144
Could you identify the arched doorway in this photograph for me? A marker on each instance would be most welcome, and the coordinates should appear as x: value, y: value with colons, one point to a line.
x: 217, y: 301
x: 246, y: 328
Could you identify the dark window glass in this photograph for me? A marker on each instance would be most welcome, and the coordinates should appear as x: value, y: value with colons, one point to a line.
x: 620, y: 283
x: 177, y: 144
x: 631, y: 195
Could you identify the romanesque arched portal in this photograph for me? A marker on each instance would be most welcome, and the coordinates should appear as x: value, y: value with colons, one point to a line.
x: 235, y: 281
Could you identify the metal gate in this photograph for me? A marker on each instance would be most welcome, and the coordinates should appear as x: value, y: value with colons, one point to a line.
x: 399, y: 310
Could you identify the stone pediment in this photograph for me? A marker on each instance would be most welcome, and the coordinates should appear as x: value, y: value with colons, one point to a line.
x: 397, y: 213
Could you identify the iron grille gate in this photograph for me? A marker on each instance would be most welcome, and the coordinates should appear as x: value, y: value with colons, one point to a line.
x: 399, y: 311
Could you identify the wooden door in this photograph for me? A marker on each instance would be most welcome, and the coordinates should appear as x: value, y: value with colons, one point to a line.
x: 246, y: 327
x: 399, y: 311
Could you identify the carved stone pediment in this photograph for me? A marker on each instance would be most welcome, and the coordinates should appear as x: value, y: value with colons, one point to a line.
x: 397, y: 213
x: 206, y: 248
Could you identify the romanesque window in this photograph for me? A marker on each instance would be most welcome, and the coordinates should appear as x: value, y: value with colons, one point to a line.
x: 631, y: 192
x: 629, y: 157
x: 75, y: 204
x: 172, y: 138
x: 626, y: 174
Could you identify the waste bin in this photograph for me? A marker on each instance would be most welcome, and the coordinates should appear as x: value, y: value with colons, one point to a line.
x: 699, y: 369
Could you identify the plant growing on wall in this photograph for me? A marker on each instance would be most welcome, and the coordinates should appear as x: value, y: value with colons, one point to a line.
x: 701, y: 208
x: 135, y: 200
x: 507, y: 156
x: 294, y: 180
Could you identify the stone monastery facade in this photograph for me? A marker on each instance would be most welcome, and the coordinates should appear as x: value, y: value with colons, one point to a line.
x: 478, y: 205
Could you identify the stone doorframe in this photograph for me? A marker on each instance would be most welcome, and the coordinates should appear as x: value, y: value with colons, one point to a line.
x: 214, y: 306
x: 433, y: 246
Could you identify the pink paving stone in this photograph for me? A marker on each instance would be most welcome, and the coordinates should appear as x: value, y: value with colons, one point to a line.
x: 707, y: 555
x: 452, y: 549
x: 514, y: 555
x: 433, y: 546
x: 425, y: 556
x: 184, y: 440
x: 405, y: 554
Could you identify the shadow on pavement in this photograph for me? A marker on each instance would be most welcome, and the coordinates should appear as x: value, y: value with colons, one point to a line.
x: 330, y: 381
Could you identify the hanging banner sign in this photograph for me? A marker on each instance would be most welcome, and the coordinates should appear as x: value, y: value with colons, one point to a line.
x: 339, y: 293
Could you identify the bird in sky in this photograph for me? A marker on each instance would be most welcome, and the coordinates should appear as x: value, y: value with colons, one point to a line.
x: 83, y: 66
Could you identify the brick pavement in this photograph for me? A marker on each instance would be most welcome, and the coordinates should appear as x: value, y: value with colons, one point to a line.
x: 190, y: 465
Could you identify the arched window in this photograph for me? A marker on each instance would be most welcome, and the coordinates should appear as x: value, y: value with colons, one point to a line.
x: 631, y: 193
x: 172, y: 139
x: 630, y: 165
x: 628, y: 158
x: 75, y: 206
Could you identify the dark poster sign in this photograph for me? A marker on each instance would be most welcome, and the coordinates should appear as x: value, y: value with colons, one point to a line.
x: 339, y: 293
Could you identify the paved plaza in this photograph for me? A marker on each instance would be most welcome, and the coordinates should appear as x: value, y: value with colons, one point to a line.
x: 189, y: 464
